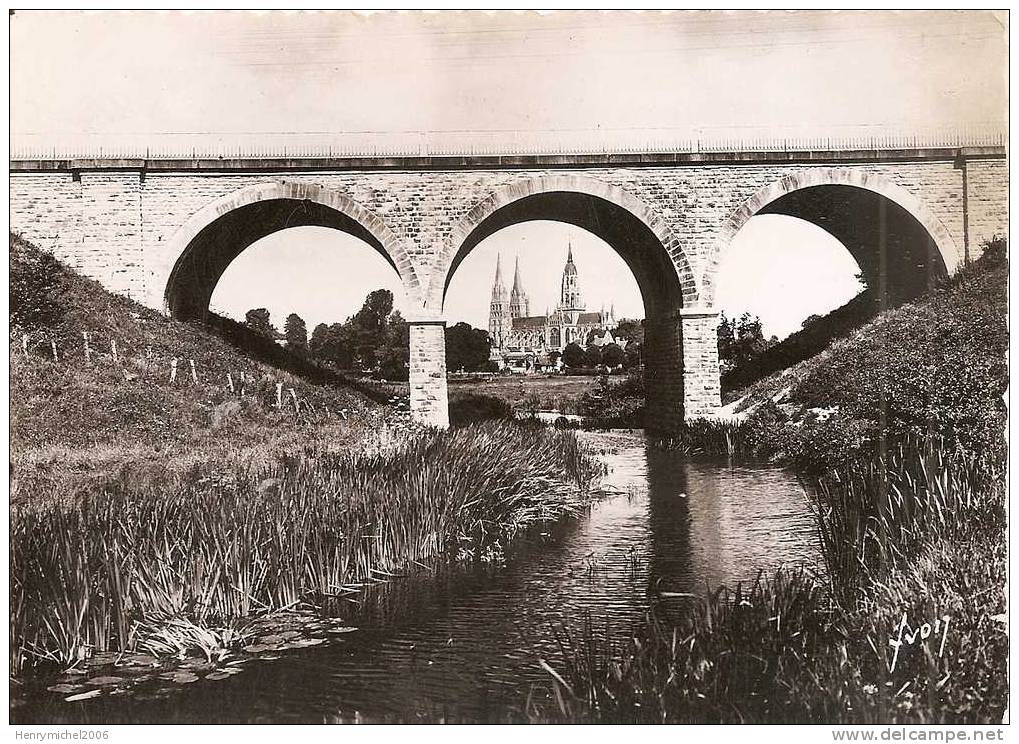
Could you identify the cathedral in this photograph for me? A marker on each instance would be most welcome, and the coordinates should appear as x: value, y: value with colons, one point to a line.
x: 522, y: 340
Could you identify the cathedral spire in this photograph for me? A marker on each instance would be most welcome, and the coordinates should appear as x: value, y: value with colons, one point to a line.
x: 498, y: 288
x: 569, y: 298
x: 519, y: 305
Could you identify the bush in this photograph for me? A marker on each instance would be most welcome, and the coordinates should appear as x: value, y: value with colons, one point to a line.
x: 34, y: 280
x: 471, y: 408
x: 614, y: 404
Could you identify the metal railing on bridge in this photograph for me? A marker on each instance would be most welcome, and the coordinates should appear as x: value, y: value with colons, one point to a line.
x: 463, y: 143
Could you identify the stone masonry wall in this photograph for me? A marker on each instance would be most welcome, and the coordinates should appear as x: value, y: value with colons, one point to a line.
x: 428, y: 396
x: 702, y: 392
x: 138, y: 217
x: 986, y: 202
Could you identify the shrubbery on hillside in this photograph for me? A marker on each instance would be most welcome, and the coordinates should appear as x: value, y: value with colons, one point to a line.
x: 813, y: 338
x: 34, y: 275
x: 934, y: 367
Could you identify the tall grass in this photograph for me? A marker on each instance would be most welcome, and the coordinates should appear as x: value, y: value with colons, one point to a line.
x: 878, y: 514
x: 710, y: 438
x: 715, y: 663
x: 915, y: 532
x: 117, y: 570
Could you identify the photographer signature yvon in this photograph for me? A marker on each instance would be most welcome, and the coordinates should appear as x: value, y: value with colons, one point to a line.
x: 939, y: 629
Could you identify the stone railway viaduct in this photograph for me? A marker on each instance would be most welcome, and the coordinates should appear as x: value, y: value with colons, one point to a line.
x: 163, y: 230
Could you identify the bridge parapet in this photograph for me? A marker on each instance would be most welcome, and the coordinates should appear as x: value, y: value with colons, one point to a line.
x: 282, y: 146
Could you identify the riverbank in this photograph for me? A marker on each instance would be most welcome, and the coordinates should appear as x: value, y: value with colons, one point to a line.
x: 901, y: 427
x: 182, y: 571
x: 914, y: 548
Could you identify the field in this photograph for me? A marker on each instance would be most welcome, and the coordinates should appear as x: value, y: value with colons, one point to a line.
x: 529, y: 392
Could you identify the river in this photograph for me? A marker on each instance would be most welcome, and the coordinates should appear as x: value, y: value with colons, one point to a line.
x: 463, y: 645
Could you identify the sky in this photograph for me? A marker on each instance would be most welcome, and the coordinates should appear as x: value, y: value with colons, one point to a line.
x: 212, y: 79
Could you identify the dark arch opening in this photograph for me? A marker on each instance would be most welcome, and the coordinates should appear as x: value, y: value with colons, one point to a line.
x: 633, y: 240
x: 211, y: 251
x: 897, y: 256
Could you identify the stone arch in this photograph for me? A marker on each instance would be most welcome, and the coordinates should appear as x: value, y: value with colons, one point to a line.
x: 470, y: 229
x: 857, y: 178
x: 680, y: 349
x: 276, y: 205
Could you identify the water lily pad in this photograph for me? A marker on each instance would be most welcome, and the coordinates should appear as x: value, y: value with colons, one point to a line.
x: 83, y: 696
x: 256, y: 648
x: 270, y: 640
x: 341, y: 629
x: 141, y: 660
x: 304, y: 642
x: 64, y: 689
x: 217, y: 676
x: 290, y: 635
x: 184, y: 678
x: 270, y: 657
x: 104, y: 681
x: 102, y: 658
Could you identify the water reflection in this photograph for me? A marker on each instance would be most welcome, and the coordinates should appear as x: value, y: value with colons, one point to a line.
x: 463, y: 645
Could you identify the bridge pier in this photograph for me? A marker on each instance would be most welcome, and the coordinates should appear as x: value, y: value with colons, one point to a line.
x: 681, y: 378
x: 702, y: 390
x: 429, y: 401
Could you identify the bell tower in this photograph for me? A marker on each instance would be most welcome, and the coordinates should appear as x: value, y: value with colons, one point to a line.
x: 569, y: 298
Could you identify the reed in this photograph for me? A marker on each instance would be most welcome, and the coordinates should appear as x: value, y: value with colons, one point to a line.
x: 878, y: 514
x: 711, y: 438
x: 180, y: 570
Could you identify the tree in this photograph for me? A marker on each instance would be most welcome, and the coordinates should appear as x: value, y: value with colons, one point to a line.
x: 810, y: 320
x: 726, y: 339
x: 258, y: 320
x: 612, y: 355
x: 394, y: 355
x: 368, y: 328
x: 339, y: 347
x: 631, y: 331
x: 296, y: 333
x: 319, y: 339
x: 574, y: 356
x: 633, y: 356
x: 467, y: 348
x: 593, y: 352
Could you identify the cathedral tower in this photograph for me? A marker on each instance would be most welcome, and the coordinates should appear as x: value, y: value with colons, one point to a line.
x: 518, y: 304
x: 570, y: 297
x: 498, y: 310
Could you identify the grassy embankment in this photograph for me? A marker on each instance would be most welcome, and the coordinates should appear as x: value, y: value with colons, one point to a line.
x: 159, y: 516
x: 903, y: 424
